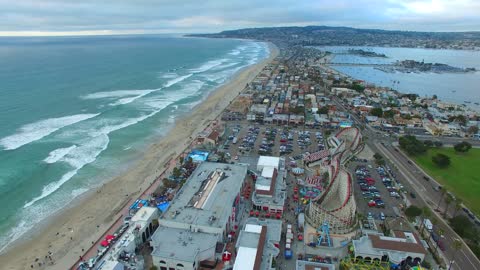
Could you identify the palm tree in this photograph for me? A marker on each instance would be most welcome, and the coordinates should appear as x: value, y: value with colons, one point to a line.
x: 443, y: 192
x: 456, y: 245
x: 448, y: 201
x: 440, y: 234
x: 458, y: 206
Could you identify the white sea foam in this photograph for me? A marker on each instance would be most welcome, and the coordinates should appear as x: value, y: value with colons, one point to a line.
x: 226, y: 65
x: 77, y: 158
x: 209, y: 65
x: 126, y: 96
x: 177, y: 80
x: 234, y: 52
x: 36, y: 131
x: 57, y: 154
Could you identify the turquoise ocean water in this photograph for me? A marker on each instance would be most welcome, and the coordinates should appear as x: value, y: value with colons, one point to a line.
x: 74, y: 109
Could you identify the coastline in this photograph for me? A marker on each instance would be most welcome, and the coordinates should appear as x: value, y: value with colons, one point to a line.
x: 76, y: 227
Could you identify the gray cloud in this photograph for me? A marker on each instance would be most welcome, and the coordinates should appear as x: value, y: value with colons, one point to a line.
x: 216, y: 15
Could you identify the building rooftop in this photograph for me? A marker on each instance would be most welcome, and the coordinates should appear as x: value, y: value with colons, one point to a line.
x: 306, y: 265
x: 207, y: 197
x: 256, y: 244
x: 397, y: 247
x: 271, y: 191
x: 181, y: 244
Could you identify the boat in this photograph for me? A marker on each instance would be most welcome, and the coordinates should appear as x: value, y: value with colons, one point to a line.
x: 453, y: 91
x: 476, y: 103
x: 468, y: 102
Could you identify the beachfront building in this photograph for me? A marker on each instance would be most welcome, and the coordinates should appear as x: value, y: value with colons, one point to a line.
x: 269, y: 195
x: 403, y: 247
x: 258, y: 245
x: 196, y: 227
x: 122, y: 252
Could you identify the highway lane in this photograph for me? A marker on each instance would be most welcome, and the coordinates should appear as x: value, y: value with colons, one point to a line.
x: 464, y: 258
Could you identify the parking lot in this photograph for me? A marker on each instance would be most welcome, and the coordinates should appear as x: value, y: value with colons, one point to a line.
x: 375, y: 191
x: 247, y: 139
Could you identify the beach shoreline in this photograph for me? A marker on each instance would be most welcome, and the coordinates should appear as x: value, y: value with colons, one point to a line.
x: 71, y: 231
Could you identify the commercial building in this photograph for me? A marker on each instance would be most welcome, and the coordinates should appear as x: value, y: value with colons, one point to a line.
x: 403, y: 247
x: 306, y: 265
x: 196, y: 226
x: 142, y: 225
x: 258, y: 245
x: 270, y: 186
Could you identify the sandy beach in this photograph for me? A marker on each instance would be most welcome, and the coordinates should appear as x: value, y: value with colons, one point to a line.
x: 74, y: 229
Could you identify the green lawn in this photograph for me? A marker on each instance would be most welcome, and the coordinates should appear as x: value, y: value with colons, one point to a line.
x: 462, y: 177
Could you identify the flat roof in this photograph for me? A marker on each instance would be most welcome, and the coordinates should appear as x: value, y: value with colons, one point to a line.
x: 268, y: 161
x: 261, y: 234
x: 144, y: 214
x: 306, y: 265
x: 271, y: 192
x: 181, y: 244
x: 244, y: 257
x: 207, y: 197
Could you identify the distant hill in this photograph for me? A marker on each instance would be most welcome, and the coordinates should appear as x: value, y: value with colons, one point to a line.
x: 327, y: 35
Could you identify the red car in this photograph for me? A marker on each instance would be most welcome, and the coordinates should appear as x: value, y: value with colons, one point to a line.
x: 300, y: 237
x: 372, y: 204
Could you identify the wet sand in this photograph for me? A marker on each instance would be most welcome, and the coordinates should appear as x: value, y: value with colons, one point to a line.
x: 76, y: 228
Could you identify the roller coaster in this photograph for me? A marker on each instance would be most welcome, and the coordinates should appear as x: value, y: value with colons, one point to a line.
x: 336, y: 205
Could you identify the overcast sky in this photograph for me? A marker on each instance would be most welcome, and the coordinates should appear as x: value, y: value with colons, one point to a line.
x: 39, y: 17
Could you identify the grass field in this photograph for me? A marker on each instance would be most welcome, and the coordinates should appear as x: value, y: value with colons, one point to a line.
x: 462, y: 177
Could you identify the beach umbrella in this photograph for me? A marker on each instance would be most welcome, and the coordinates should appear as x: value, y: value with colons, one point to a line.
x: 257, y: 213
x: 226, y: 256
x: 251, y: 212
x: 104, y: 243
x: 109, y: 237
x: 267, y: 215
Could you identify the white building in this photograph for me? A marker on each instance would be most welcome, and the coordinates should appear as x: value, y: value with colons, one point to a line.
x: 196, y: 227
x: 404, y: 246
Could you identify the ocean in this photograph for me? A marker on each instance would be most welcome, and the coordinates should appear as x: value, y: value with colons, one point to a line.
x: 73, y: 110
x: 452, y: 87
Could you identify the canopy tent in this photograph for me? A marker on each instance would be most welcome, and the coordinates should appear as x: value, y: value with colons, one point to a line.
x: 104, y: 243
x: 298, y: 171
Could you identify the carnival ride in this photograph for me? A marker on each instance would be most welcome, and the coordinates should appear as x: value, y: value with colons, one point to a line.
x: 336, y: 205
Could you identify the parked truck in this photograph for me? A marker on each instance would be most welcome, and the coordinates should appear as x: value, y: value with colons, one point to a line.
x: 301, y: 221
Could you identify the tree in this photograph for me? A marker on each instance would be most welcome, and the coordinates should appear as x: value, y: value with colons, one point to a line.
x: 458, y: 205
x: 323, y: 110
x: 413, y: 211
x: 448, y: 201
x: 434, y: 97
x: 443, y: 191
x: 472, y: 130
x: 440, y: 232
x: 462, y: 225
x: 441, y: 160
x: 176, y: 172
x: 411, y: 145
x: 428, y: 143
x: 379, y: 159
x: 438, y: 143
x: 378, y: 112
x: 462, y: 147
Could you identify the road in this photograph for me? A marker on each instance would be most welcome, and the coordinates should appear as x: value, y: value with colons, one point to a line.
x: 411, y: 177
